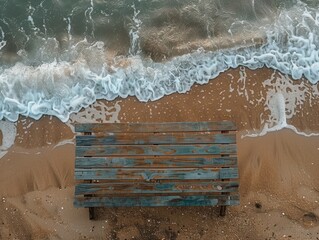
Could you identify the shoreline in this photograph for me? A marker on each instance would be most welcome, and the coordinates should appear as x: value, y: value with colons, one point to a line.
x: 278, y: 171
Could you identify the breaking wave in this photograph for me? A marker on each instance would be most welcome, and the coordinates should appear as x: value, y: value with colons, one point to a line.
x: 59, y: 68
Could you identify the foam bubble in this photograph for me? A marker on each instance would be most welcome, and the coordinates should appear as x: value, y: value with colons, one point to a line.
x: 9, y: 132
x: 284, y: 100
x: 2, y: 41
x: 98, y: 112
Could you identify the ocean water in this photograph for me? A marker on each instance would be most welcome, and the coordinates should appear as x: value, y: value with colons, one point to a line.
x: 57, y: 57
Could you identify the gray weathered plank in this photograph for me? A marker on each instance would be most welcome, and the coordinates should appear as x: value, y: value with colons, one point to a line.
x: 151, y: 138
x: 147, y: 150
x: 155, y: 127
x: 156, y: 201
x: 155, y: 188
x: 149, y: 162
x: 155, y: 174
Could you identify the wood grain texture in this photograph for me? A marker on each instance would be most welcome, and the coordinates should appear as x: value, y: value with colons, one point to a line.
x: 156, y: 138
x: 156, y: 201
x: 158, y: 162
x: 151, y: 150
x: 155, y: 174
x: 156, y: 188
x: 155, y: 127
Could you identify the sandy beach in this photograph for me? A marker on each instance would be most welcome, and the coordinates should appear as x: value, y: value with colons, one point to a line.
x: 279, y: 180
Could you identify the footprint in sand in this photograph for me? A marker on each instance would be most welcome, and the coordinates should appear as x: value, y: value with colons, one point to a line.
x: 310, y: 219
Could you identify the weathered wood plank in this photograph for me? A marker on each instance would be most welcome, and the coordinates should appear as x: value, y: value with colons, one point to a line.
x: 156, y: 201
x: 155, y: 174
x: 155, y: 127
x: 156, y: 164
x: 149, y: 162
x: 155, y: 188
x: 147, y: 150
x: 160, y: 138
x: 228, y: 173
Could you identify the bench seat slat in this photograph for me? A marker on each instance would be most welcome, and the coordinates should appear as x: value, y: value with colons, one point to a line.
x: 155, y: 188
x: 146, y: 150
x: 155, y: 127
x: 150, y: 138
x: 157, y: 201
x: 149, y: 162
x: 156, y: 174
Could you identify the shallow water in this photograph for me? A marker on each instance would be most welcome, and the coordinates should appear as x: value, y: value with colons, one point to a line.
x: 59, y: 56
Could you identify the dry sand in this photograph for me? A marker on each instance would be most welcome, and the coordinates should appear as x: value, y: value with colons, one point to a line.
x: 279, y: 180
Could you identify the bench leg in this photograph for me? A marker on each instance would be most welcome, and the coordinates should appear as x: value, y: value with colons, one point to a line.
x: 222, y: 212
x: 91, y: 213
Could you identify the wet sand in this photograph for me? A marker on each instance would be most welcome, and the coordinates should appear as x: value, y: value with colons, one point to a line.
x: 279, y: 181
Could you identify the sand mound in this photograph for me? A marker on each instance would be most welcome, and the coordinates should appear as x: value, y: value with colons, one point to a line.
x: 25, y: 170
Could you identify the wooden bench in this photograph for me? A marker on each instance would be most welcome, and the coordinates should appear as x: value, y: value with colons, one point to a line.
x: 156, y: 164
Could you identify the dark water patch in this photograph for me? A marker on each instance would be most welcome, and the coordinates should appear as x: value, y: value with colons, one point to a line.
x: 24, y: 22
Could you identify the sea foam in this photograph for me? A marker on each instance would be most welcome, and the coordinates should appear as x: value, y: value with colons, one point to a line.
x: 9, y: 132
x: 75, y: 81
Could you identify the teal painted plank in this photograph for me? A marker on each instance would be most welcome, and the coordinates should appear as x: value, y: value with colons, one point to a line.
x: 151, y: 138
x: 155, y: 174
x: 146, y: 150
x: 157, y: 201
x: 155, y: 188
x: 226, y: 173
x: 155, y: 127
x: 167, y: 162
